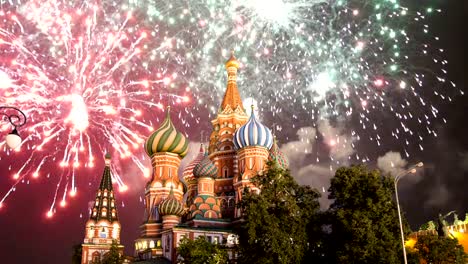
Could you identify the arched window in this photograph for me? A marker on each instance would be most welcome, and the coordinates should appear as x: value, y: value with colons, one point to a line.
x: 225, y: 172
x: 96, y: 256
x: 91, y: 232
x: 115, y: 231
x: 103, y: 232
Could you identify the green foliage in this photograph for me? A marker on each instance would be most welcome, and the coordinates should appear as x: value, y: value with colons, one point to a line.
x: 275, y: 221
x: 200, y: 251
x: 114, y: 256
x: 439, y: 250
x: 77, y: 252
x: 363, y: 217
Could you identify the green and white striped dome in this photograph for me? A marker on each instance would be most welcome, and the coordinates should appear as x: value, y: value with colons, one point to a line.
x: 171, y: 206
x: 205, y: 168
x: 167, y: 139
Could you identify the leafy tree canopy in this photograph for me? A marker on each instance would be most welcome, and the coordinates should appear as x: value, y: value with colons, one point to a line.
x: 363, y: 217
x: 275, y: 220
x: 200, y: 251
x: 439, y: 250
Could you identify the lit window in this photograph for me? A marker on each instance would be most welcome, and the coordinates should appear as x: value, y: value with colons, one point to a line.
x: 151, y: 244
x: 104, y: 202
x: 105, y: 193
x: 90, y: 232
x: 115, y: 232
x: 103, y: 233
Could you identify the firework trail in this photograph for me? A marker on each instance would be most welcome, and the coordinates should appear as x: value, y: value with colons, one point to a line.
x: 90, y: 74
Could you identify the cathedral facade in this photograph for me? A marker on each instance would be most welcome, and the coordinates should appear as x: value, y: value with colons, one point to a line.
x: 203, y: 203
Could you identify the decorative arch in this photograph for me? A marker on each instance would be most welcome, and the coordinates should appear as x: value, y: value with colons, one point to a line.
x: 225, y: 172
x: 96, y: 256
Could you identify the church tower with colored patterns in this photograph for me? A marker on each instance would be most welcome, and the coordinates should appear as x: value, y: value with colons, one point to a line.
x: 103, y: 226
x: 164, y: 192
x: 231, y: 116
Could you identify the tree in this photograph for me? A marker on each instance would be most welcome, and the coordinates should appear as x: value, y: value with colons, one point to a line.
x: 113, y: 256
x: 275, y: 220
x: 439, y: 250
x: 77, y: 252
x: 200, y: 251
x: 363, y: 217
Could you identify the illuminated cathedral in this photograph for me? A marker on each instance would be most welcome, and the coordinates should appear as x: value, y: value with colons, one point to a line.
x: 238, y: 149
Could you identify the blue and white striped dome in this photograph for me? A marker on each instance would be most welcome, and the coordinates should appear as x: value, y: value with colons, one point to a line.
x: 253, y: 133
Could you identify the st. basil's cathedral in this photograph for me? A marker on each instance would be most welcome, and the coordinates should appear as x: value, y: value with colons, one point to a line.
x: 239, y: 148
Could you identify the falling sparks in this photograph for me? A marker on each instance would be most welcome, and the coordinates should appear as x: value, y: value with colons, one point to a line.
x: 96, y: 75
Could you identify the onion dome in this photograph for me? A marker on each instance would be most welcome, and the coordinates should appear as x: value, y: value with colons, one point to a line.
x: 278, y: 156
x: 232, y: 62
x: 167, y: 139
x: 171, y: 206
x: 205, y: 168
x: 253, y: 133
x: 205, y: 207
x: 188, y: 171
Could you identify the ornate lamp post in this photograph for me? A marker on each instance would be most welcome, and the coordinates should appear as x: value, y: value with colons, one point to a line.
x: 17, y: 119
x: 411, y: 170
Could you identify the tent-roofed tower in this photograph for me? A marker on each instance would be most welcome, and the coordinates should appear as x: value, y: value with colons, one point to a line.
x: 231, y: 115
x: 232, y: 98
x: 103, y: 226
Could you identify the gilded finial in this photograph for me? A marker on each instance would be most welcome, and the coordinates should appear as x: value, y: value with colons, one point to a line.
x: 232, y: 62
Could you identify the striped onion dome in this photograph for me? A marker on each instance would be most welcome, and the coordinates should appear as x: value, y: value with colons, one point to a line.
x: 167, y: 139
x: 253, y: 133
x: 188, y: 171
x: 278, y: 156
x: 205, y: 168
x: 171, y: 206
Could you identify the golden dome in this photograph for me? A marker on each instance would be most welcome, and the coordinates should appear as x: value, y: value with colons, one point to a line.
x: 232, y: 62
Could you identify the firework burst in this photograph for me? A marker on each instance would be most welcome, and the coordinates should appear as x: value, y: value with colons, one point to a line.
x: 89, y: 74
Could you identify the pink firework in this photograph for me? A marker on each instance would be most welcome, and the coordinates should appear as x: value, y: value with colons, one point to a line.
x: 77, y: 73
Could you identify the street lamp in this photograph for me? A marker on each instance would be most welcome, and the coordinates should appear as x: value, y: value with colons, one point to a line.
x: 411, y: 170
x: 16, y: 118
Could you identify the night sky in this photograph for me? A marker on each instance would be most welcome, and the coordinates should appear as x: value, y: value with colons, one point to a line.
x: 27, y: 236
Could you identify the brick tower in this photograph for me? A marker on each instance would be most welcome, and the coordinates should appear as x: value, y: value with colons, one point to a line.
x: 103, y: 226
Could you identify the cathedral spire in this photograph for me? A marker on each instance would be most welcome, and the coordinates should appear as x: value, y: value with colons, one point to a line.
x: 103, y: 226
x: 232, y: 96
x: 104, y: 207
